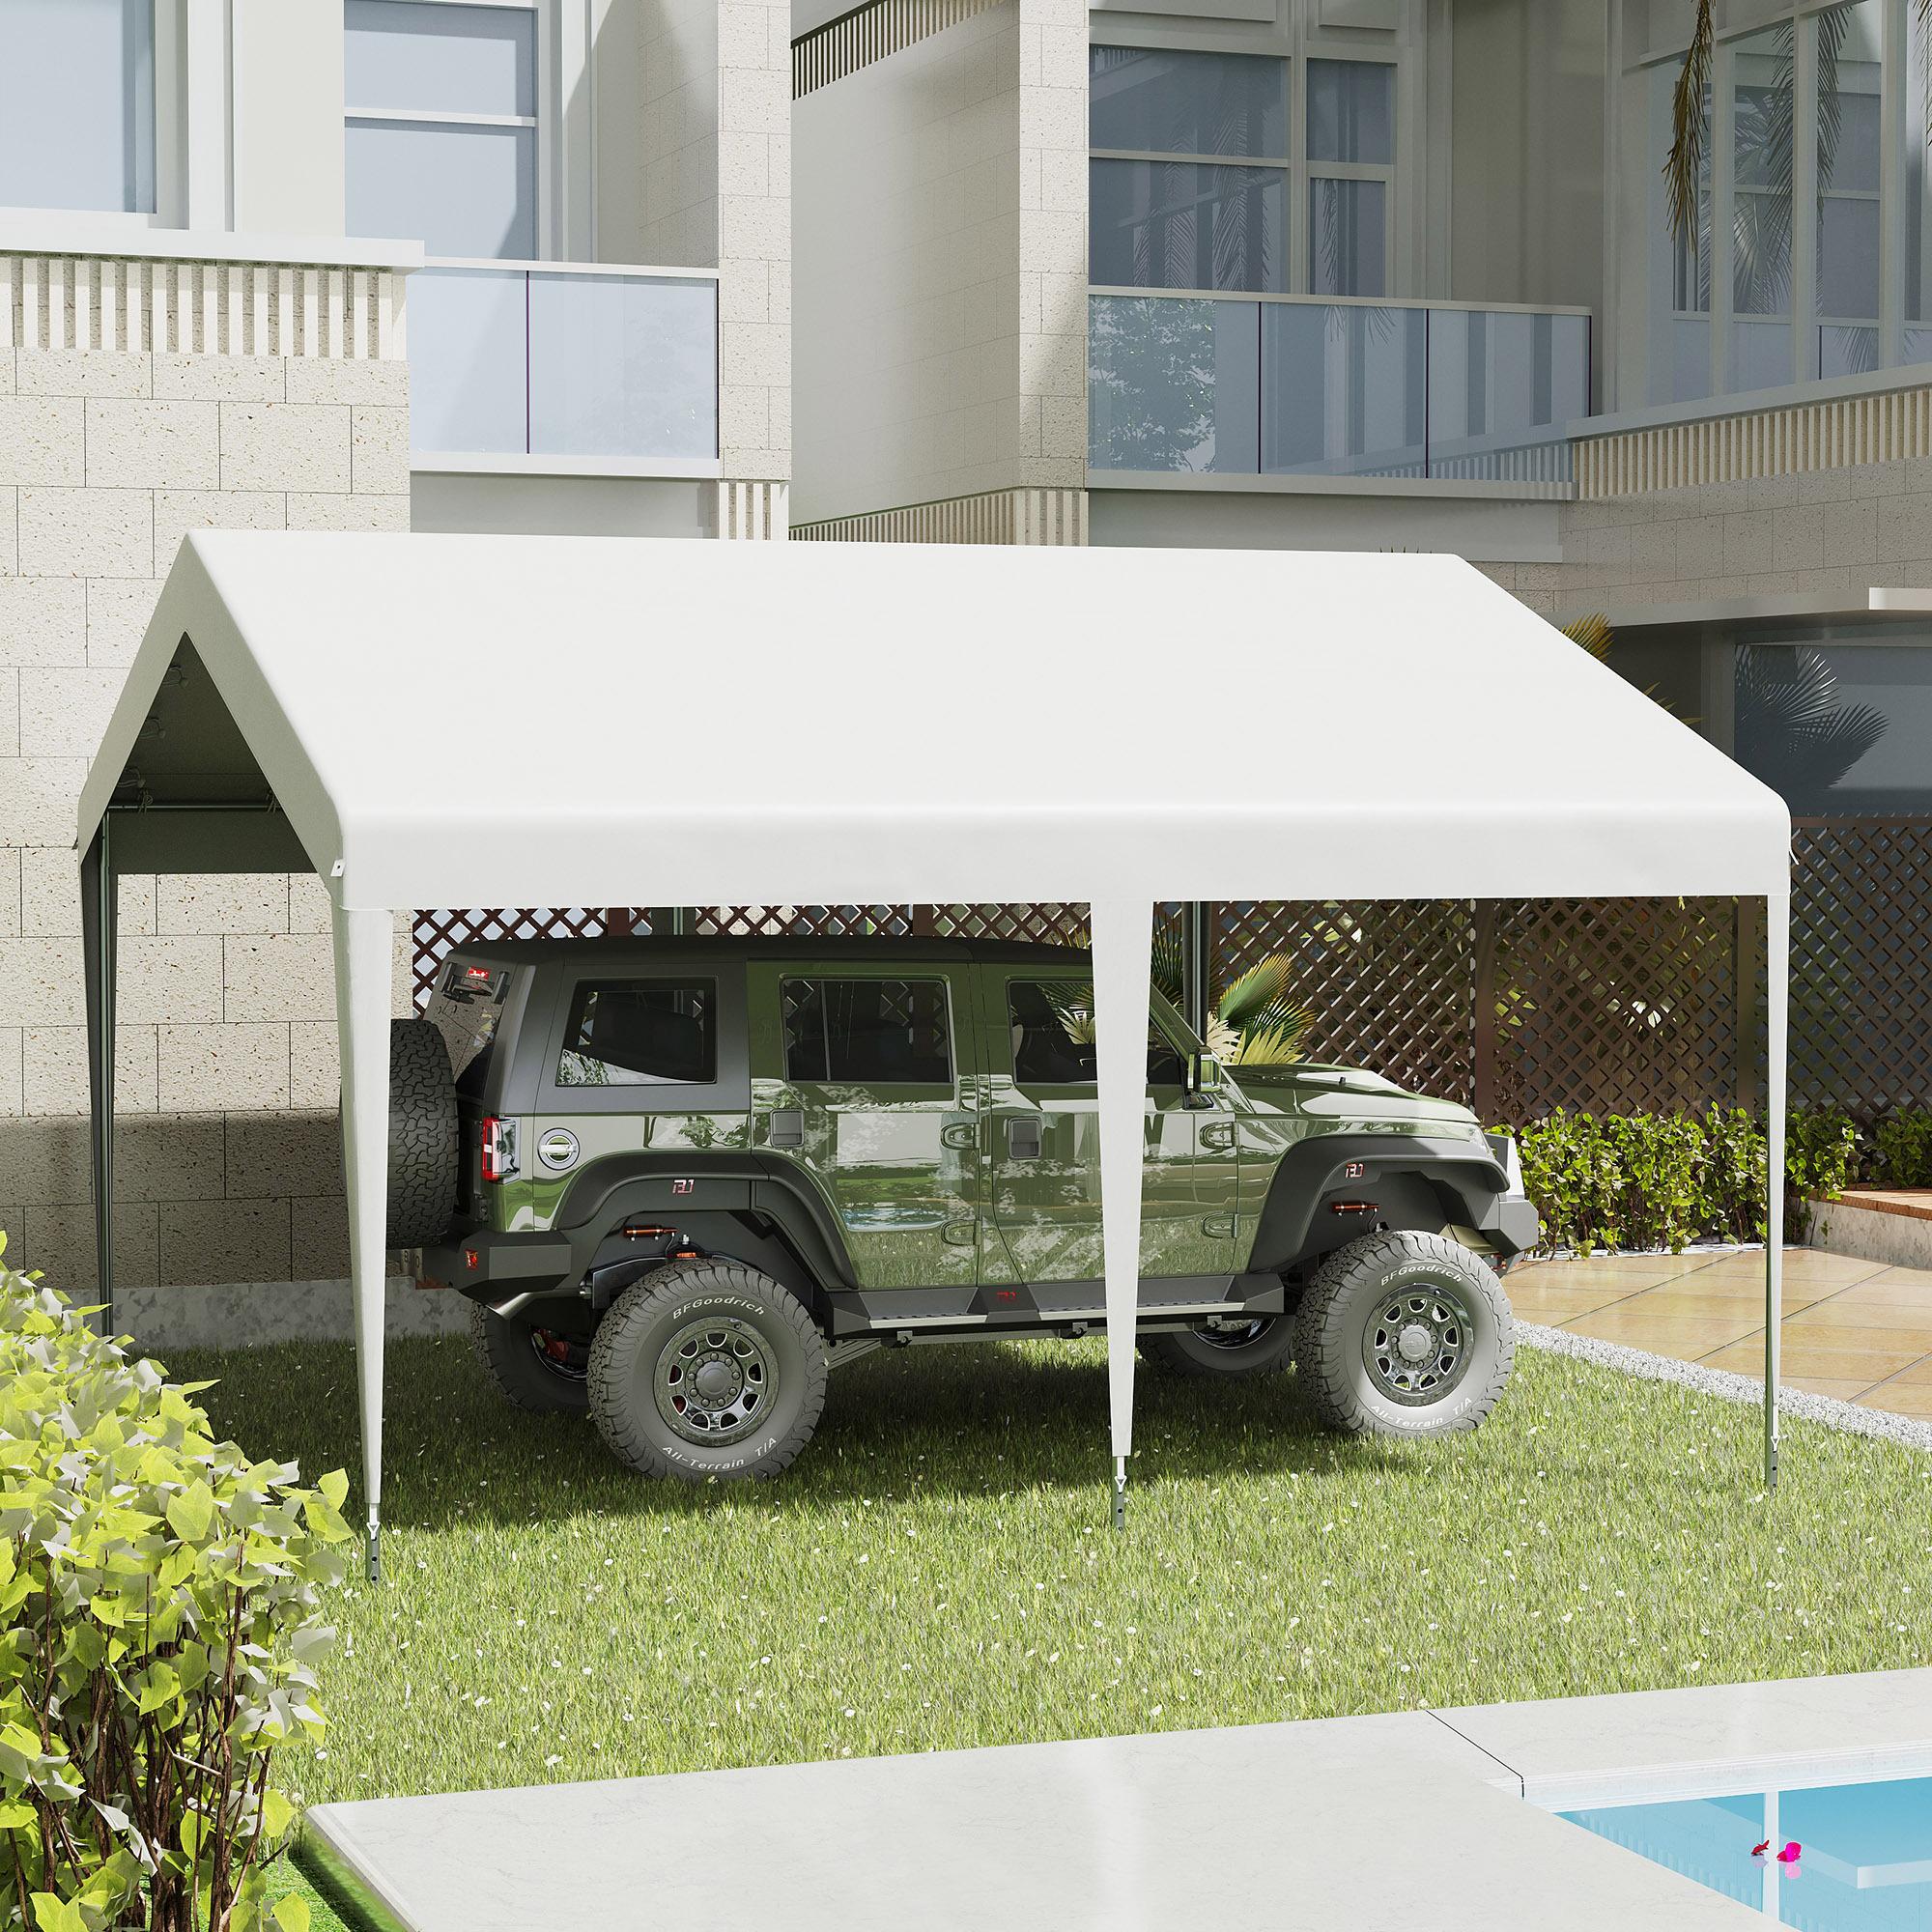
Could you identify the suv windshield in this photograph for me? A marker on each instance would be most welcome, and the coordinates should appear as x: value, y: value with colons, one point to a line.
x: 466, y: 1008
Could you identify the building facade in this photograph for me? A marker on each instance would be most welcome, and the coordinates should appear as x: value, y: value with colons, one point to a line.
x: 379, y: 265
x: 1402, y: 275
x: 1289, y: 274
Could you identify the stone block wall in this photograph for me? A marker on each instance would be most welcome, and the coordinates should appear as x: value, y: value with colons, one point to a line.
x: 1825, y: 533
x: 139, y: 400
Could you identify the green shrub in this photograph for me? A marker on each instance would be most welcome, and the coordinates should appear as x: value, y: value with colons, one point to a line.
x: 1575, y: 1180
x: 1735, y: 1162
x: 1660, y: 1181
x: 1901, y: 1151
x: 161, y: 1600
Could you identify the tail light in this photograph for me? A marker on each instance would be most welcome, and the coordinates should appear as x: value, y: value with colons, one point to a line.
x: 499, y: 1149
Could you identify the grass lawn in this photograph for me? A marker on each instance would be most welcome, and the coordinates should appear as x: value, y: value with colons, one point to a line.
x: 937, y: 1571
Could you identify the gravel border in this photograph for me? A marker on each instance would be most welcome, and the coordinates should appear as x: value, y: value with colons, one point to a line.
x: 1727, y: 1387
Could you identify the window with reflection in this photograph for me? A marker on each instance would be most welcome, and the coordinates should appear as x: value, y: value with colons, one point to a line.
x: 870, y: 1032
x: 641, y: 1033
x: 441, y: 138
x: 1838, y: 724
x: 1052, y: 1027
x: 78, y: 129
x: 1350, y: 165
x: 1169, y: 205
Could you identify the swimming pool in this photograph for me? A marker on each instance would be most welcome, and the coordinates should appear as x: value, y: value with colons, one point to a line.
x: 1864, y: 1862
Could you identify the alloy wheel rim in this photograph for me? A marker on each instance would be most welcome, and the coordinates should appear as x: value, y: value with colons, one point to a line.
x: 714, y: 1380
x: 560, y: 1357
x: 1243, y: 1337
x: 1416, y: 1343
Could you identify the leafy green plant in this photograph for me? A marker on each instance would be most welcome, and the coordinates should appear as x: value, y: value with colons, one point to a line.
x: 1256, y: 1021
x: 1902, y: 1149
x: 1659, y: 1162
x: 1661, y: 1181
x: 163, y: 1605
x: 1736, y: 1161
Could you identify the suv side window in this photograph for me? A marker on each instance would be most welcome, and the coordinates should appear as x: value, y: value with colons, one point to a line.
x: 641, y: 1033
x: 1052, y: 1023
x: 871, y: 1032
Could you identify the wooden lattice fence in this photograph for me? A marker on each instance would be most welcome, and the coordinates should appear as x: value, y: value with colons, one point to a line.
x: 1518, y: 1007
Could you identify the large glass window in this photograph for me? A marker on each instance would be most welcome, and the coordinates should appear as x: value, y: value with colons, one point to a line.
x: 1187, y: 225
x: 1181, y: 223
x: 1848, y: 148
x: 1351, y: 159
x: 78, y: 125
x: 869, y: 1032
x: 641, y: 1033
x: 1809, y: 212
x: 1152, y: 100
x: 442, y: 126
x: 1837, y: 727
x: 1243, y: 172
x: 1762, y: 106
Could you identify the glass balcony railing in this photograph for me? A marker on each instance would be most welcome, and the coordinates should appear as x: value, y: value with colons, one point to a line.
x: 563, y: 361
x: 1302, y: 386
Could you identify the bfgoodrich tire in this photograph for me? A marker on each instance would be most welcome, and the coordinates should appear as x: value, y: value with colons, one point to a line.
x: 1403, y: 1334
x: 530, y: 1367
x: 707, y: 1371
x: 422, y: 1135
x: 1264, y: 1346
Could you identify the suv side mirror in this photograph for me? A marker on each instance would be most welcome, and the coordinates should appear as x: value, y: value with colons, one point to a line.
x: 1203, y: 1073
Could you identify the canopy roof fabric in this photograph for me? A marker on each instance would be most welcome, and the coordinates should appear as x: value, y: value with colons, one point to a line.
x: 449, y: 721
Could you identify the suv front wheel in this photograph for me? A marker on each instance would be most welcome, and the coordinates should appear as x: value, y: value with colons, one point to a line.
x: 1403, y: 1333
x: 707, y: 1370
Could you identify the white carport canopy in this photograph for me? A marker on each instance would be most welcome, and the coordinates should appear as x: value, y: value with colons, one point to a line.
x: 454, y: 720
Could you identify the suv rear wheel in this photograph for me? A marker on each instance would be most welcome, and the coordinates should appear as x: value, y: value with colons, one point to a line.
x: 534, y: 1368
x: 707, y: 1370
x: 1403, y: 1334
x: 1264, y: 1346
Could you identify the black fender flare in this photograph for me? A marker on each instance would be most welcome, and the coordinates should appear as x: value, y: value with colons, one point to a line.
x: 699, y: 1186
x: 1466, y: 1184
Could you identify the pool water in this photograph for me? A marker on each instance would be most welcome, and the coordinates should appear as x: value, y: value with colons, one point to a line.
x: 1865, y: 1862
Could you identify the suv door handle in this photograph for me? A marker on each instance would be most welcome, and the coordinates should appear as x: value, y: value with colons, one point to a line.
x: 962, y: 1134
x: 1023, y: 1136
x: 786, y: 1128
x: 1217, y: 1135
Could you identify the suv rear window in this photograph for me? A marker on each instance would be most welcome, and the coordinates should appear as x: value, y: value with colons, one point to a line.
x: 641, y: 1033
x: 872, y: 1032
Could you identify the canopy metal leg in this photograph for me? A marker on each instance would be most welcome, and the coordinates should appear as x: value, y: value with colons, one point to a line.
x: 1123, y: 953
x: 1778, y: 1002
x: 364, y: 945
x: 97, y: 922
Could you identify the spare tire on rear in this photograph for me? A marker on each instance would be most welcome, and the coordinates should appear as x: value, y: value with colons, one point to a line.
x: 422, y: 1135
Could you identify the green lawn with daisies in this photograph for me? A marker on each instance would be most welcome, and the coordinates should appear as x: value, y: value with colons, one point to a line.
x: 937, y: 1570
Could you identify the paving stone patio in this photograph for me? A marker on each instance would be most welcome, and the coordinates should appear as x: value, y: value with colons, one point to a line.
x: 1856, y: 1330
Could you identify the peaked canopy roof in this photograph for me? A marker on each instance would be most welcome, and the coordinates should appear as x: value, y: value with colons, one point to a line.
x: 458, y: 720
x: 473, y: 721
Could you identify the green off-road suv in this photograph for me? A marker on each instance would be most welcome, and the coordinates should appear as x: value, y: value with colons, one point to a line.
x: 681, y: 1179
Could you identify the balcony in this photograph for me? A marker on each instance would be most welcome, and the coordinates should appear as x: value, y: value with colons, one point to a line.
x: 614, y: 370
x: 1287, y: 386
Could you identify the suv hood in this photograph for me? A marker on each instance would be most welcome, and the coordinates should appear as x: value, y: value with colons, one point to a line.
x: 1349, y: 1091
